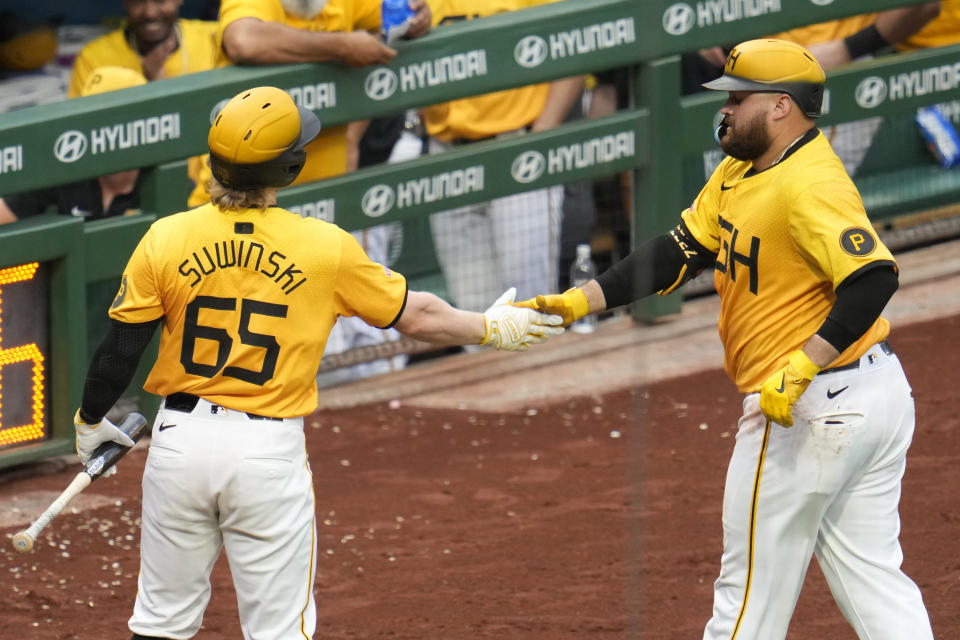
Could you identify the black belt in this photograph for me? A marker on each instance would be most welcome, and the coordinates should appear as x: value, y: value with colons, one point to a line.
x: 187, y: 402
x: 458, y: 142
x: 884, y: 345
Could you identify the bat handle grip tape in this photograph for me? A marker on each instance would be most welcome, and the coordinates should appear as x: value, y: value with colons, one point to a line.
x: 81, y: 482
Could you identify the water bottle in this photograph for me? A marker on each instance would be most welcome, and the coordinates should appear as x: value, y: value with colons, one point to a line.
x: 583, y: 271
x: 397, y: 16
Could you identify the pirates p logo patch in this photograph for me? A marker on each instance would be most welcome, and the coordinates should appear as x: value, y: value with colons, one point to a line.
x: 857, y: 241
x: 120, y: 294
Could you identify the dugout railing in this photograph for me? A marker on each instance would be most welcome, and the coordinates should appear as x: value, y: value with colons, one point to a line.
x: 163, y: 123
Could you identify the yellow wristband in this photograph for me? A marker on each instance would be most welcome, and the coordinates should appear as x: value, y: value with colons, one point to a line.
x: 577, y: 301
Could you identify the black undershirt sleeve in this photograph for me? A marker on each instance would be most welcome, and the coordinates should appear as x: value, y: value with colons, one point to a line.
x: 860, y: 300
x: 864, y: 42
x: 113, y: 365
x: 654, y: 266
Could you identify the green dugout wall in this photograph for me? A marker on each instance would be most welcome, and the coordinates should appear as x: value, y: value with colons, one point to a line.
x: 161, y: 124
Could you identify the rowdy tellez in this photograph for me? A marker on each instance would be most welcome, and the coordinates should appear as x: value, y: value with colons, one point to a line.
x: 827, y: 413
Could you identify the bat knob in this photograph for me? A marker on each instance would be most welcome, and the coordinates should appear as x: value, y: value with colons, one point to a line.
x: 22, y: 542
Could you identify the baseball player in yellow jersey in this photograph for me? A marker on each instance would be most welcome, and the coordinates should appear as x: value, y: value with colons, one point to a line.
x: 516, y: 238
x: 245, y: 294
x: 256, y: 32
x: 154, y: 41
x: 827, y: 413
x: 943, y: 30
x: 838, y: 42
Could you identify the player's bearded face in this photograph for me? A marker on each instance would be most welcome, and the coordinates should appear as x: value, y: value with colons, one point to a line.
x: 747, y: 137
x: 303, y: 8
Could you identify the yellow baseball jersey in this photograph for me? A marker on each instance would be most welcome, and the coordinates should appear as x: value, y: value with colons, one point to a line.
x: 785, y: 238
x: 827, y: 31
x: 939, y: 32
x: 492, y: 113
x: 336, y: 16
x: 197, y: 52
x: 248, y: 299
x: 327, y: 154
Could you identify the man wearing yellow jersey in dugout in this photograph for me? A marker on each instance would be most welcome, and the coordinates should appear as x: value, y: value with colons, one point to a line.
x: 828, y: 414
x: 246, y: 294
x: 259, y: 32
x: 153, y: 41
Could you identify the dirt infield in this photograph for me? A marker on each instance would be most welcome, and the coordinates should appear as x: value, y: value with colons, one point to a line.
x: 446, y: 523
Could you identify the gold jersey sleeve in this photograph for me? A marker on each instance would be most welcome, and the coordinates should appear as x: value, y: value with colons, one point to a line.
x: 197, y: 52
x: 486, y: 115
x: 826, y: 31
x: 248, y: 300
x: 785, y: 238
x: 941, y: 31
x: 336, y: 16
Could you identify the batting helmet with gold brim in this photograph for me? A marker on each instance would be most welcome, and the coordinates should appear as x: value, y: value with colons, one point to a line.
x: 105, y: 79
x: 258, y: 138
x: 774, y: 66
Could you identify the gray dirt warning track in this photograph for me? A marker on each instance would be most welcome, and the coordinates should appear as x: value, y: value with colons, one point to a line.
x: 622, y: 354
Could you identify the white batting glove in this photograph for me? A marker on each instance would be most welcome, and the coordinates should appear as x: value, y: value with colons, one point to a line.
x: 91, y: 436
x: 511, y: 328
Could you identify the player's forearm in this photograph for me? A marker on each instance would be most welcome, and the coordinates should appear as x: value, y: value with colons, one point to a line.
x: 660, y: 264
x: 560, y: 98
x: 820, y: 352
x: 603, y: 102
x: 355, y: 131
x: 889, y: 27
x: 252, y: 41
x: 112, y: 367
x: 899, y: 24
x: 596, y: 301
x: 6, y: 215
x: 428, y: 318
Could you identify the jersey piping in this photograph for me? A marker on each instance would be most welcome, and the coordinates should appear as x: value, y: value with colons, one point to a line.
x: 753, y: 529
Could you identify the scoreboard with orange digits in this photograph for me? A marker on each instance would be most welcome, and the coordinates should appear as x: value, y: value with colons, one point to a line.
x: 24, y: 343
x: 43, y: 274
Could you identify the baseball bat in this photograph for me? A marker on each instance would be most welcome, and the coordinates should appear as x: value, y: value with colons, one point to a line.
x: 104, y: 457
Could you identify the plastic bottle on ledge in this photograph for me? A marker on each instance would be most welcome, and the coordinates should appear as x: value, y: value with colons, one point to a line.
x: 396, y: 19
x: 582, y: 271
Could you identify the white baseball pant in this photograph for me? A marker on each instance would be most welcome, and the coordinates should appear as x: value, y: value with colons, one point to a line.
x: 216, y: 478
x: 830, y: 486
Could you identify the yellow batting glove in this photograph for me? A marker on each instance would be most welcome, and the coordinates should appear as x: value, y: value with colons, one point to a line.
x: 571, y: 305
x: 510, y: 328
x: 782, y: 390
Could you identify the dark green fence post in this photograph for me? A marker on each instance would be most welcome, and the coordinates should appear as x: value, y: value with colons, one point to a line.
x: 657, y: 185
